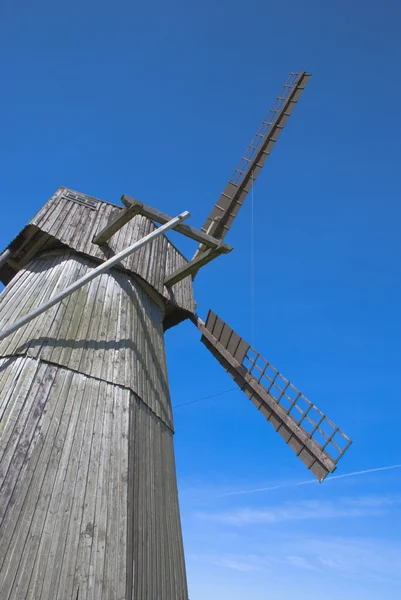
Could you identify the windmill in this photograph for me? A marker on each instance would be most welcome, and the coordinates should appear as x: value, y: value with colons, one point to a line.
x: 88, y: 495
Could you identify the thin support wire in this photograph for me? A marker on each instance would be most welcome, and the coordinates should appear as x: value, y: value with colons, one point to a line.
x: 252, y: 262
x: 207, y: 397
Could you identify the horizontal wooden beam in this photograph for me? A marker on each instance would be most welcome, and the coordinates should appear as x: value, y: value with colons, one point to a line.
x: 160, y: 217
x: 14, y: 264
x: 115, y: 225
x: 5, y: 256
x: 192, y: 267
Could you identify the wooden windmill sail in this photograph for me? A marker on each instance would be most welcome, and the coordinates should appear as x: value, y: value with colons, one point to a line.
x: 88, y: 495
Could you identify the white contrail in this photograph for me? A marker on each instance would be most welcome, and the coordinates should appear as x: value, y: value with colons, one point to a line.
x: 364, y: 472
x: 308, y: 482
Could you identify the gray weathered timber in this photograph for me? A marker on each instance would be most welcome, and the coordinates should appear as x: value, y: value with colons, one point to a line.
x: 109, y: 329
x: 5, y: 256
x: 121, y: 219
x: 201, y: 259
x: 88, y: 495
x: 73, y: 220
x: 160, y: 217
x: 232, y: 198
x: 93, y: 274
x: 316, y: 440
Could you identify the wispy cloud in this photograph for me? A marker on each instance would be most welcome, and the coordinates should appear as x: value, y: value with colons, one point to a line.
x: 237, y: 562
x: 365, y: 506
x: 300, y: 561
x: 359, y: 559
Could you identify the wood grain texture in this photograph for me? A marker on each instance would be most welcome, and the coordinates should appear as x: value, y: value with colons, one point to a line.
x: 88, y: 494
x: 75, y: 225
x: 109, y: 329
x: 77, y: 457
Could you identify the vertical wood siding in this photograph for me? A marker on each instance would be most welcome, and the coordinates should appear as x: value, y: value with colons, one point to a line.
x: 88, y: 495
x: 75, y: 225
x: 109, y: 329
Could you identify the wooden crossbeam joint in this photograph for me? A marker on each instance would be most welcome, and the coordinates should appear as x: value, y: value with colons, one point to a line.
x: 193, y: 266
x: 213, y: 246
x: 115, y: 225
x: 195, y: 234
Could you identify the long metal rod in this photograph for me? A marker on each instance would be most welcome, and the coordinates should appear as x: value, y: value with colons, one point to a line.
x: 93, y: 274
x: 3, y: 257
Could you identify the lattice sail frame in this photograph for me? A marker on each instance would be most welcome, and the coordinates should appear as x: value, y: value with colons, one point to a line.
x: 232, y: 198
x: 317, y: 441
x: 265, y: 127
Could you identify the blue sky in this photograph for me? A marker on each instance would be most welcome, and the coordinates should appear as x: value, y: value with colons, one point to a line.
x: 158, y: 101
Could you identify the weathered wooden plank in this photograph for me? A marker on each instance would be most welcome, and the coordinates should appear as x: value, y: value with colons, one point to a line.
x: 285, y: 423
x: 75, y: 225
x: 95, y: 340
x: 88, y: 589
x: 82, y: 570
x: 34, y: 291
x: 151, y: 543
x: 102, y: 505
x: 119, y: 566
x: 81, y: 334
x: 13, y: 447
x: 10, y: 369
x: 65, y: 329
x: 63, y: 229
x: 61, y: 497
x: 192, y: 267
x: 66, y: 581
x: 83, y: 345
x: 112, y: 548
x: 67, y: 500
x: 15, y: 528
x: 124, y: 469
x: 10, y: 301
x: 116, y: 224
x: 74, y: 488
x: 132, y: 496
x: 143, y: 253
x: 42, y: 342
x: 139, y: 542
x: 34, y: 334
x: 36, y: 528
x: 19, y: 501
x: 50, y: 213
x: 64, y: 403
x: 162, y: 218
x: 165, y: 525
x: 110, y: 353
x: 45, y: 211
x: 97, y: 221
x: 39, y: 241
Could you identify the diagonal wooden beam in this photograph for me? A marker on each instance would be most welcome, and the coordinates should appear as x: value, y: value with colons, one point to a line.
x: 160, y: 217
x: 201, y: 259
x: 232, y: 198
x: 115, y: 224
x: 297, y: 430
x: 5, y: 256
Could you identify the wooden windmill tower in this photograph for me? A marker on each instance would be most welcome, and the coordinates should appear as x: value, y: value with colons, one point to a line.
x: 88, y: 495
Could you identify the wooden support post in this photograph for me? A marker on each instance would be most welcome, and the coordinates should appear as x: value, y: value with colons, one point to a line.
x: 5, y: 256
x: 201, y: 259
x: 105, y: 266
x: 160, y: 217
x: 115, y: 225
